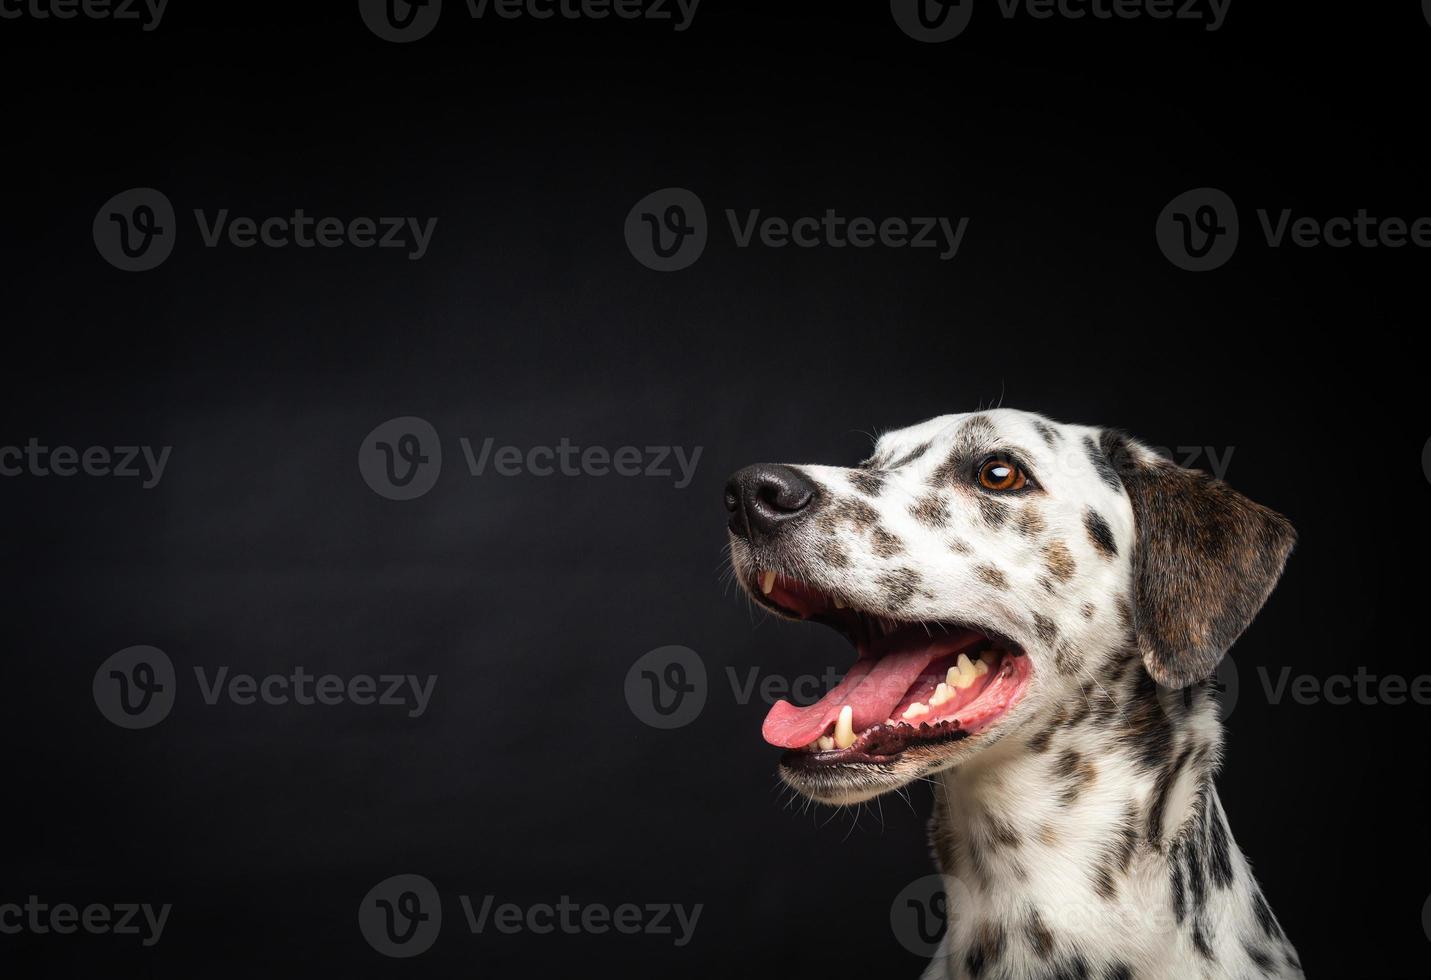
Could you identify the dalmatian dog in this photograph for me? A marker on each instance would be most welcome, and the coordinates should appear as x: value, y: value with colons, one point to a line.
x: 1038, y: 610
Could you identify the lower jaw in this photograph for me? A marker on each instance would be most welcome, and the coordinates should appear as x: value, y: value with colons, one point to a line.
x: 882, y: 745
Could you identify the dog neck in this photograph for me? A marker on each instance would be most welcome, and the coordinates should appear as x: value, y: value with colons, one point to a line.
x: 1094, y: 844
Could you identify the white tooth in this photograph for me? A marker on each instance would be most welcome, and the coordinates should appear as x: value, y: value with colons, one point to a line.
x: 827, y: 743
x: 941, y: 694
x: 915, y: 710
x: 951, y: 676
x: 966, y: 672
x: 845, y: 728
x: 767, y: 582
x: 980, y: 668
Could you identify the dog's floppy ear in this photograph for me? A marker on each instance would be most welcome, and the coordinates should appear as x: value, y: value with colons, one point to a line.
x: 1205, y: 558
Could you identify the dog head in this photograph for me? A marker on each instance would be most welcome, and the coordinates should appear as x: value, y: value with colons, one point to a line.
x: 985, y: 567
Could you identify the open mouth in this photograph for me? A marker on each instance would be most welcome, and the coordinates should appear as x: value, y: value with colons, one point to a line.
x: 913, y: 684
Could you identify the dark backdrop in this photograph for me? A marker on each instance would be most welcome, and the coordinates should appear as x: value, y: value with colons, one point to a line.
x: 530, y: 776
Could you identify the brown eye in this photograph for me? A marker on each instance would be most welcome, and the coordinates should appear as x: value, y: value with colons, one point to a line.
x: 1000, y: 474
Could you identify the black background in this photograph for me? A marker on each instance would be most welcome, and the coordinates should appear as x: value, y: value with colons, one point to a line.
x: 529, y: 778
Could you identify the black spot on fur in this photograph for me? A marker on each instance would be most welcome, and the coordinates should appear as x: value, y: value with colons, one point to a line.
x: 931, y: 511
x: 1100, y: 533
x: 832, y: 553
x: 1200, y: 940
x: 1076, y: 772
x: 1059, y: 561
x: 1046, y: 628
x: 992, y: 576
x: 1264, y: 915
x: 986, y: 950
x: 911, y: 456
x: 1088, y: 609
x: 1259, y: 957
x: 958, y: 546
x: 1067, y: 660
x: 1050, y: 435
x: 1219, y: 856
x: 1100, y: 462
x: 1003, y: 834
x: 1161, y: 790
x: 1148, y: 733
x: 1116, y: 854
x: 1040, y: 939
x: 885, y: 544
x: 1029, y: 521
x: 867, y: 483
x: 994, y: 512
x: 898, y: 587
x: 1118, y: 971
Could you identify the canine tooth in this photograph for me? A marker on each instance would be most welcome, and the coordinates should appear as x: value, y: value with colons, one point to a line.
x: 915, y: 710
x: 845, y: 728
x: 767, y: 581
x: 826, y: 743
x: 941, y: 694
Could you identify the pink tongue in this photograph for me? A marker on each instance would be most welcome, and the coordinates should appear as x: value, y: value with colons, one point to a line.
x: 873, y: 688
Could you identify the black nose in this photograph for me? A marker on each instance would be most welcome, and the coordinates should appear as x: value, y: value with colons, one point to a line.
x: 763, y: 499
